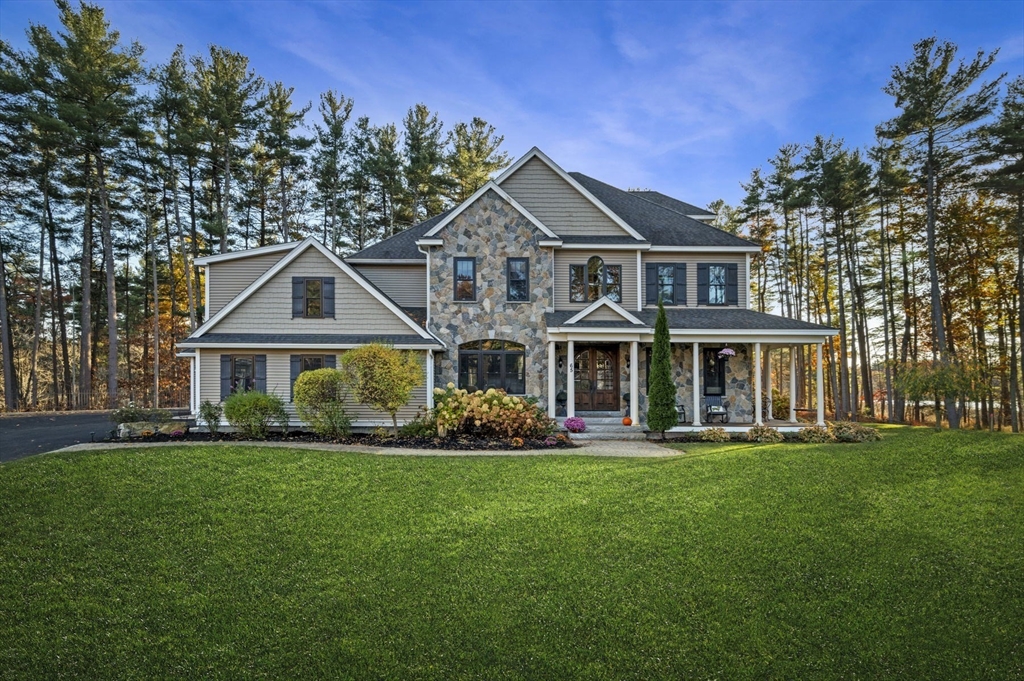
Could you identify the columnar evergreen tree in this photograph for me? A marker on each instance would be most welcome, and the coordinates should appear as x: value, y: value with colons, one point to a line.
x: 661, y: 391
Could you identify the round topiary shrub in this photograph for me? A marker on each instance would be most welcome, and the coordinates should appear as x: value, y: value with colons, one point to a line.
x: 320, y: 398
x: 251, y: 413
x: 713, y: 435
x: 764, y: 434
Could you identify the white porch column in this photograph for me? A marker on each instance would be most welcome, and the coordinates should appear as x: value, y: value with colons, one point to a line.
x: 696, y: 384
x: 768, y: 375
x: 821, y: 388
x: 634, y: 382
x: 570, y: 381
x: 756, y: 368
x: 552, y: 368
x: 430, y: 379
x: 792, y: 384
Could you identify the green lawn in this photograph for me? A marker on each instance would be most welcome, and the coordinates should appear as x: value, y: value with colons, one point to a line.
x: 903, y: 558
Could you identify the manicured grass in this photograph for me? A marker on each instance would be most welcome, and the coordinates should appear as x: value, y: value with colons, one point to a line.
x: 903, y: 558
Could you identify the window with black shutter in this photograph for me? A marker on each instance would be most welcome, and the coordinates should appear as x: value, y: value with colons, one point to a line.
x: 667, y: 281
x: 313, y: 297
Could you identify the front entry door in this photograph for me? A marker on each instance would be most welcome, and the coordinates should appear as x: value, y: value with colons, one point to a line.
x: 597, y: 379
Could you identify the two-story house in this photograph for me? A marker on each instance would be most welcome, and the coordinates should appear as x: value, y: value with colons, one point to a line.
x: 542, y: 283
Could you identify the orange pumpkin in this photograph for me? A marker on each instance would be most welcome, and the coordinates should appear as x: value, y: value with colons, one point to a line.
x: 627, y: 421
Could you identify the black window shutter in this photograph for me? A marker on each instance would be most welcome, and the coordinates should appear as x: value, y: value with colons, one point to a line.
x: 225, y: 376
x: 330, y: 361
x: 298, y: 296
x: 296, y: 368
x: 732, y: 293
x: 702, y: 284
x: 652, y: 283
x: 679, y: 283
x: 328, y: 291
x: 261, y: 373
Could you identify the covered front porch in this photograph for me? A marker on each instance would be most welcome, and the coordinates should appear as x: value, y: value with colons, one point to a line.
x: 723, y: 376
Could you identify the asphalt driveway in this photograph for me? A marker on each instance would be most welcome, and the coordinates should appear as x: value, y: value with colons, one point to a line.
x: 26, y: 434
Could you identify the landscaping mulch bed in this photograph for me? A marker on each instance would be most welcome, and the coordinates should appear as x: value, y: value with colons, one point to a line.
x: 457, y: 443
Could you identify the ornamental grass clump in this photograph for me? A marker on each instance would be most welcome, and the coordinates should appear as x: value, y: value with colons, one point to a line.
x: 490, y: 414
x: 764, y: 434
x: 320, y: 398
x: 714, y: 435
x: 252, y: 413
x: 847, y: 431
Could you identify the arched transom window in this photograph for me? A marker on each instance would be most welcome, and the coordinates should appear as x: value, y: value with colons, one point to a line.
x: 493, y: 364
x: 594, y: 280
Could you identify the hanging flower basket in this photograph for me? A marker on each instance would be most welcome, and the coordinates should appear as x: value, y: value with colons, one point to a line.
x: 726, y: 352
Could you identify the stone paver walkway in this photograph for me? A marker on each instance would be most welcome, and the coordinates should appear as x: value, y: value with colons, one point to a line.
x: 625, y: 448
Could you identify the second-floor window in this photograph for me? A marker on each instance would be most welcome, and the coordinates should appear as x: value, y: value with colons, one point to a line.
x: 518, y: 274
x: 595, y: 279
x: 465, y: 279
x: 716, y: 284
x: 313, y: 300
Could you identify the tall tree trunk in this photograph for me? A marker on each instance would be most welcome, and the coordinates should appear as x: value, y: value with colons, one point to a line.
x: 86, y: 338
x: 185, y: 267
x: 107, y: 237
x: 7, y: 339
x: 59, y: 299
x: 938, y: 324
x: 37, y: 318
x: 226, y: 200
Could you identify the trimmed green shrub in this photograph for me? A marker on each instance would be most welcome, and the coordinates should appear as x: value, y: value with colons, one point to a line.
x: 252, y: 413
x: 714, y: 435
x: 320, y: 398
x: 210, y: 413
x: 383, y: 378
x: 815, y: 434
x: 764, y: 434
x: 133, y: 414
x: 488, y: 414
x: 424, y: 425
x: 847, y: 431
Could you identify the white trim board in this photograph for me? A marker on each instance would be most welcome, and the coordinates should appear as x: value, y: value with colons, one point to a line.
x: 537, y: 153
x: 235, y: 255
x: 604, y: 301
x: 353, y: 274
x: 490, y: 186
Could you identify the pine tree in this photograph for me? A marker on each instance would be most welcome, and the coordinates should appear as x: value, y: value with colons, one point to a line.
x: 473, y: 158
x: 937, y: 111
x: 425, y: 185
x: 661, y: 391
x: 330, y: 161
x: 285, y: 148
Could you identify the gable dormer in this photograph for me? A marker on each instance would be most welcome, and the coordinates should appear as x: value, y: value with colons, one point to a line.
x: 559, y: 201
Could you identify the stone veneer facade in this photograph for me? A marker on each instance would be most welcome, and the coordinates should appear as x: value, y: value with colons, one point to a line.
x: 491, y: 230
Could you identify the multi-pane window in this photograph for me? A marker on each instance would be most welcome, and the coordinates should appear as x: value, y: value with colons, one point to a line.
x: 667, y: 283
x: 518, y: 279
x: 465, y: 279
x: 594, y: 280
x: 313, y: 298
x: 243, y: 373
x: 493, y: 364
x: 716, y: 284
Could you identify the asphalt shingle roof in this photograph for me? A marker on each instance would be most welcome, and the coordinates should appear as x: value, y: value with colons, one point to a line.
x: 697, y: 319
x: 659, y: 225
x: 401, y: 246
x: 672, y: 204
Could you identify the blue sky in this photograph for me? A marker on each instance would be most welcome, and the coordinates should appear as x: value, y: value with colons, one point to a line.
x: 684, y: 98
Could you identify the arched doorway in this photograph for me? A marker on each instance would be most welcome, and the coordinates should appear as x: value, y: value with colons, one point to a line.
x: 597, y: 378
